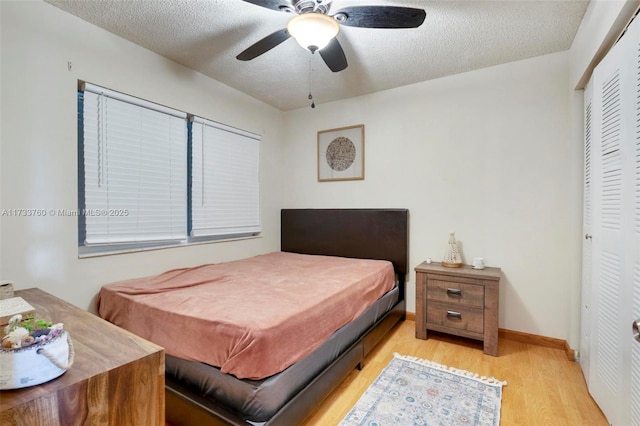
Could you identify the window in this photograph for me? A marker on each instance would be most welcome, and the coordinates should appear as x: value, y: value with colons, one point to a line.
x: 134, y: 175
x: 225, y: 190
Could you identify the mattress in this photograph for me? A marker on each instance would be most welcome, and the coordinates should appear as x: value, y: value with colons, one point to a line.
x: 251, y: 318
x: 258, y: 400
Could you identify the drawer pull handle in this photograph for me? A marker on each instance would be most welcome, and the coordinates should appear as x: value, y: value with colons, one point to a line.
x: 454, y: 292
x: 454, y: 315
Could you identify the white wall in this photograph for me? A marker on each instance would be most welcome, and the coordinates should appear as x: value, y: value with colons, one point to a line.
x: 601, y: 26
x: 39, y: 147
x: 486, y: 154
x: 0, y: 154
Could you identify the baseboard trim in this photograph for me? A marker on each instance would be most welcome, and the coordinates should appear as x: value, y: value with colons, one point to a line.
x: 533, y: 339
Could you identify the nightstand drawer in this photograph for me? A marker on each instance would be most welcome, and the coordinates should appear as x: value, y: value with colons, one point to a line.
x: 455, y: 292
x: 458, y: 317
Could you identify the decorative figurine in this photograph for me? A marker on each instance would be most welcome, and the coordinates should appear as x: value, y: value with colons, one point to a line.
x: 452, y: 259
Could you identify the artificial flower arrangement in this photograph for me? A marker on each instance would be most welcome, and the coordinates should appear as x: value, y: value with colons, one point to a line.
x: 22, y: 333
x: 33, y: 351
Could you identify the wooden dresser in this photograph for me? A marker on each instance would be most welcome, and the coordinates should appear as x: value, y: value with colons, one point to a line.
x: 461, y: 301
x: 117, y: 378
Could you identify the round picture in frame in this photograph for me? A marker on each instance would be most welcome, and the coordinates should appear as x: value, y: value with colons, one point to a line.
x: 341, y: 154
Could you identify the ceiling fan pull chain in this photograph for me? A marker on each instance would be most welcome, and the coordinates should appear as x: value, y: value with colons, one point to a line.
x: 313, y: 104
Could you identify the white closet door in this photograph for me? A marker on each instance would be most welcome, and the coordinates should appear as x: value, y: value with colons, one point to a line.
x: 614, y: 244
x: 587, y: 230
x: 635, y: 164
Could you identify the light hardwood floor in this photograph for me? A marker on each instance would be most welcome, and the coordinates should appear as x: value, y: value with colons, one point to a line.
x: 544, y: 388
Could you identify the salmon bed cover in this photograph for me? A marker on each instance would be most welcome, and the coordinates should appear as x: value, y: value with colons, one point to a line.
x: 252, y: 317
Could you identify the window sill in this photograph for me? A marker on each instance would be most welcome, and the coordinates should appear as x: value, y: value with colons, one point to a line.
x: 85, y: 252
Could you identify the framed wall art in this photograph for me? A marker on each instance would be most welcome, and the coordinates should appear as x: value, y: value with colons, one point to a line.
x: 341, y: 154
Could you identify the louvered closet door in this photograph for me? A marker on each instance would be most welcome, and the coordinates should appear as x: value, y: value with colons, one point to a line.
x: 615, y: 261
x: 587, y: 221
x: 635, y: 164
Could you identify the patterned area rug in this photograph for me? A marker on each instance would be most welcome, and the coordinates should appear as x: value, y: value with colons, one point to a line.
x: 413, y: 391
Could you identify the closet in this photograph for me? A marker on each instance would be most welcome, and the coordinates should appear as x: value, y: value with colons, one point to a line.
x: 609, y: 352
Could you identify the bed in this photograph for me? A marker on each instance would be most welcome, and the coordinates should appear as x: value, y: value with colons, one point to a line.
x: 238, y: 378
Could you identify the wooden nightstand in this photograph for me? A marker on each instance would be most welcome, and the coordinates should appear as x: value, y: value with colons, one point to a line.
x: 461, y: 301
x: 117, y: 377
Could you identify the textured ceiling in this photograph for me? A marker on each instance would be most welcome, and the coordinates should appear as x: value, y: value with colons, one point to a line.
x: 457, y: 36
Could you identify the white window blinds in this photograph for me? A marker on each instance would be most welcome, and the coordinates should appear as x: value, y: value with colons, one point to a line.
x: 225, y: 190
x: 135, y: 169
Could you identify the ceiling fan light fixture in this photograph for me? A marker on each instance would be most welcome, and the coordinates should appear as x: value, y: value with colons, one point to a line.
x: 313, y: 31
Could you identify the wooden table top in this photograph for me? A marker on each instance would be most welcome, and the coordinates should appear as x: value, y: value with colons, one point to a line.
x: 464, y: 270
x: 99, y: 347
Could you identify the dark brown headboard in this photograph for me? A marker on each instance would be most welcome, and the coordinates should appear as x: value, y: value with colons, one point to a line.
x: 360, y: 233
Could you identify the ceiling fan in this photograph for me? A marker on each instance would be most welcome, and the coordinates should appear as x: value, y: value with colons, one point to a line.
x: 315, y: 29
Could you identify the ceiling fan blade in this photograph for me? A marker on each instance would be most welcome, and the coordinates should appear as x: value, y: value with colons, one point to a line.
x: 333, y: 56
x: 272, y: 4
x: 380, y: 17
x: 264, y: 45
